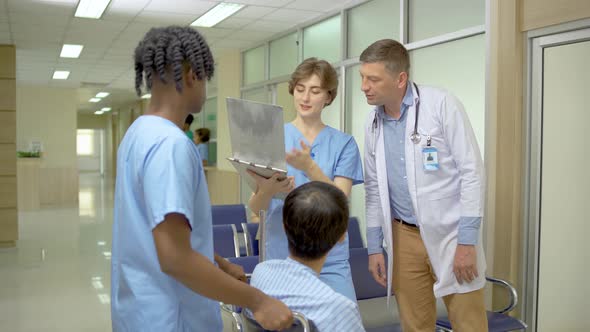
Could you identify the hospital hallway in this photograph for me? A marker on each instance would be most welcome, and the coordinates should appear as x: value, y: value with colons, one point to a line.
x: 58, y: 277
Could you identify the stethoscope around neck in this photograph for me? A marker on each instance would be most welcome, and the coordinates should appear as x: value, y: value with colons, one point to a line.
x: 414, y: 136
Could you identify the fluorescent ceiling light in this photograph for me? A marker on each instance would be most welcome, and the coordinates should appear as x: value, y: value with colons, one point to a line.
x: 91, y: 8
x: 71, y: 51
x: 146, y: 96
x: 94, y: 100
x: 98, y: 112
x: 61, y: 75
x: 105, y: 109
x: 217, y: 14
x: 102, y: 94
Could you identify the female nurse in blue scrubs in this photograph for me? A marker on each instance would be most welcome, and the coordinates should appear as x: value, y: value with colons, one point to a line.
x: 315, y: 152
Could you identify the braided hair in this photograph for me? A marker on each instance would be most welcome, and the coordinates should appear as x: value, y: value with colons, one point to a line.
x: 174, y: 48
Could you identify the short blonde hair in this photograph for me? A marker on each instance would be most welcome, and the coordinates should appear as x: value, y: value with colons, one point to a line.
x: 322, y: 68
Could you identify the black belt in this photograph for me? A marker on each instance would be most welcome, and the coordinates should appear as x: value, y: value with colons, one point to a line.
x: 405, y: 223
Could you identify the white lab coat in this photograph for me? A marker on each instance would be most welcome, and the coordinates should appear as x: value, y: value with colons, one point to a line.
x: 439, y: 198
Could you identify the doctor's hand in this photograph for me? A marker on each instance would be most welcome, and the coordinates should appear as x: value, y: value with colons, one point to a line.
x: 465, y: 264
x: 377, y: 268
x: 274, y: 184
x: 272, y: 314
x: 300, y: 159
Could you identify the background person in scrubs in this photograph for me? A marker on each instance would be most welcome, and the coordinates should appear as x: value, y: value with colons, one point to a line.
x: 315, y: 152
x: 202, y: 136
x: 186, y: 127
x: 163, y: 276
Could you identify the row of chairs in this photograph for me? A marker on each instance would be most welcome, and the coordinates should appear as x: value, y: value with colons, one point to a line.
x: 227, y: 244
x: 367, y: 288
x: 228, y: 239
x: 233, y: 236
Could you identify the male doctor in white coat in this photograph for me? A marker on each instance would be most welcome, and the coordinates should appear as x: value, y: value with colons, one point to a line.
x: 424, y: 183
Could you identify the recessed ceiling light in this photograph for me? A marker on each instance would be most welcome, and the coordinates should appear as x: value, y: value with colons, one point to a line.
x: 61, y: 75
x: 91, y: 8
x: 102, y: 94
x: 94, y: 100
x: 71, y: 51
x: 146, y: 96
x: 105, y: 109
x: 98, y: 112
x: 217, y: 14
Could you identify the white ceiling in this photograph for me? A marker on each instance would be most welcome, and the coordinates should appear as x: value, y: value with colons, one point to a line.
x: 39, y: 28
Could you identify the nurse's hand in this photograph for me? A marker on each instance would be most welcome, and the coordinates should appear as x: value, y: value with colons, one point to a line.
x: 377, y: 268
x: 233, y: 270
x: 301, y: 159
x: 272, y: 314
x: 274, y: 184
x: 465, y: 264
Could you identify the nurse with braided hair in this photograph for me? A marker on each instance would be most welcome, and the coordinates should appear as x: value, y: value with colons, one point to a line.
x: 163, y: 272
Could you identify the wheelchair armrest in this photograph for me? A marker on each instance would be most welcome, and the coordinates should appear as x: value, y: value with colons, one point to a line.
x: 511, y: 292
x: 234, y: 311
x: 303, y: 321
x: 300, y: 322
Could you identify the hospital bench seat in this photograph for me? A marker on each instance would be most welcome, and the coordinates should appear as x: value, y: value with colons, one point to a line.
x: 499, y: 320
x: 225, y: 241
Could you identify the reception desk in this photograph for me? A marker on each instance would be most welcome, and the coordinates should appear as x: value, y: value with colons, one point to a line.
x: 28, y: 183
x: 224, y: 186
x: 42, y: 186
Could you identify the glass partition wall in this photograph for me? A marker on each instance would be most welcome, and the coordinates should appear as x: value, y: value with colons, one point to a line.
x: 446, y: 50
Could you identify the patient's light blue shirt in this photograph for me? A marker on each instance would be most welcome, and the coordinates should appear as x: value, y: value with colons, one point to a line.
x: 158, y: 172
x: 299, y: 287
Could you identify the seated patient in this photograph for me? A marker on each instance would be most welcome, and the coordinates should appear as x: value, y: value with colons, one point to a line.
x: 315, y: 217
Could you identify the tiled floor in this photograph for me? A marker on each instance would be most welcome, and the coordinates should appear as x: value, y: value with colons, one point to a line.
x: 58, y: 277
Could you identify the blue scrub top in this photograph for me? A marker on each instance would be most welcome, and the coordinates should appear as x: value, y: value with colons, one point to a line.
x: 203, y: 150
x: 158, y: 172
x: 337, y: 154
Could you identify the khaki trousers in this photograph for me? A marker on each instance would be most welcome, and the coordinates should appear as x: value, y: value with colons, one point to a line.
x: 413, y: 281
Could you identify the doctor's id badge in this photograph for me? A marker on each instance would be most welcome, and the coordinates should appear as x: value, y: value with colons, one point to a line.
x: 430, y: 158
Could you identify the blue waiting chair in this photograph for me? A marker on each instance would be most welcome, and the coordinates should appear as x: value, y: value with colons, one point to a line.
x: 248, y: 263
x: 250, y: 230
x: 498, y: 321
x: 355, y: 240
x: 366, y: 287
x: 234, y: 214
x: 225, y: 241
